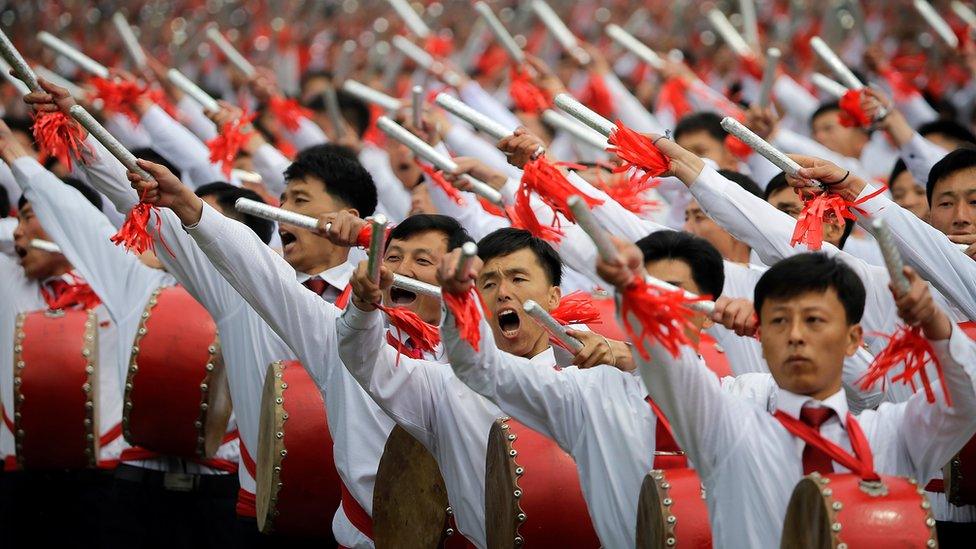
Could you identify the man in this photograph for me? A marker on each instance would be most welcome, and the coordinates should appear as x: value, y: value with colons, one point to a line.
x: 698, y: 223
x: 702, y: 134
x: 809, y: 307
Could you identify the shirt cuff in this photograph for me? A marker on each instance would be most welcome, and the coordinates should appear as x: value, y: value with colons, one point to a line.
x: 958, y: 347
x: 26, y: 167
x: 358, y: 319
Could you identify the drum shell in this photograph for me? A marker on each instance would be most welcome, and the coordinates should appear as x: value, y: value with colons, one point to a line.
x: 671, y: 511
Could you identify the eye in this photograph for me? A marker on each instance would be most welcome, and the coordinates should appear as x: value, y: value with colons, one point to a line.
x: 424, y: 261
x: 393, y: 258
x: 520, y: 279
x: 812, y: 319
x: 487, y: 285
x: 777, y: 320
x: 945, y: 204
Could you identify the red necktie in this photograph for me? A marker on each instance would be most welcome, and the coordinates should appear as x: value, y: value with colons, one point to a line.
x: 61, y: 294
x: 667, y: 454
x: 406, y: 348
x: 815, y: 459
x: 316, y: 284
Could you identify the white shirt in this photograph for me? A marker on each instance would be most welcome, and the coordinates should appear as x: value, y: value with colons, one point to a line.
x: 181, y: 147
x: 749, y: 463
x: 920, y: 155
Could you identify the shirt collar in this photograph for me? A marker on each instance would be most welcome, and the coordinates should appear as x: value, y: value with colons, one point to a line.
x: 437, y: 356
x: 792, y: 403
x: 546, y: 358
x: 337, y: 277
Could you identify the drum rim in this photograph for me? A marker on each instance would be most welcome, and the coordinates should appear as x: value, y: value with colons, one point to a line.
x: 89, y: 351
x: 268, y: 479
x: 501, y: 468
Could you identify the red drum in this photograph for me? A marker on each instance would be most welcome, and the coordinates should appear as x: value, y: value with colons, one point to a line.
x: 671, y: 511
x: 532, y: 492
x: 177, y: 401
x: 297, y: 482
x: 840, y: 510
x: 959, y: 475
x: 56, y: 390
x: 410, y: 506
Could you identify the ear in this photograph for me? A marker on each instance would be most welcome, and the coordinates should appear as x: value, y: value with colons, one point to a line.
x: 353, y: 211
x: 555, y: 294
x: 855, y: 339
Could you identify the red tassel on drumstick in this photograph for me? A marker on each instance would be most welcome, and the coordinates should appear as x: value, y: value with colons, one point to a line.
x: 464, y: 307
x: 228, y: 143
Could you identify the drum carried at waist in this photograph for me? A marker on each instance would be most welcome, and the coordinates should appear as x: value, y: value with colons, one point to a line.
x: 840, y: 509
x: 959, y: 475
x: 410, y: 506
x: 532, y: 492
x: 297, y: 482
x: 177, y: 401
x: 671, y: 511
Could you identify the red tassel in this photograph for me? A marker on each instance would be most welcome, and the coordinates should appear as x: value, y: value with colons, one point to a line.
x: 225, y: 147
x: 118, y: 96
x: 663, y: 316
x: 673, y: 94
x: 158, y: 96
x: 547, y: 181
x: 576, y: 308
x: 597, y: 96
x: 437, y: 177
x: 821, y: 207
x: 630, y: 194
x: 425, y: 336
x: 57, y: 135
x: 752, y: 67
x: 288, y: 112
x: 134, y: 233
x: 366, y: 235
x: 467, y: 317
x: 909, y: 347
x: 737, y: 147
x: 522, y: 217
x: 525, y: 94
x: 78, y: 295
x: 637, y: 151
x: 491, y: 208
x: 439, y: 46
x: 851, y: 113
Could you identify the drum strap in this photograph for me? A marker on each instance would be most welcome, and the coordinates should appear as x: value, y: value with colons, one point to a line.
x: 355, y: 512
x: 246, y: 502
x: 10, y: 462
x: 667, y: 453
x: 343, y: 298
x: 6, y: 419
x: 861, y: 463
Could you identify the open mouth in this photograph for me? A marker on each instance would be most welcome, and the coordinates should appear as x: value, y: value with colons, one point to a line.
x: 20, y: 251
x: 287, y: 239
x: 509, y: 322
x: 399, y: 296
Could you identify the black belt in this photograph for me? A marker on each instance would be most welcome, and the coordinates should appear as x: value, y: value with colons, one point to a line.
x: 225, y: 485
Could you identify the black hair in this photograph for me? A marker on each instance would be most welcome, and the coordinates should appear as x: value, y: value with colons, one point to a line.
x: 812, y: 272
x: 421, y: 223
x: 20, y: 124
x: 704, y: 121
x: 341, y: 150
x: 778, y: 183
x: 353, y: 110
x: 959, y: 159
x: 345, y: 179
x: 90, y: 194
x: 743, y: 181
x: 4, y: 202
x: 508, y: 240
x: 145, y: 153
x: 705, y: 262
x: 951, y: 129
x: 899, y: 169
x: 824, y: 108
x: 227, y: 195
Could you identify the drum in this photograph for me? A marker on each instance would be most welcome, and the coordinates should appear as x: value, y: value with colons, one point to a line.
x: 177, y: 401
x: 410, y: 506
x: 532, y: 492
x: 841, y: 510
x: 297, y: 482
x: 959, y: 474
x: 56, y: 389
x: 671, y: 511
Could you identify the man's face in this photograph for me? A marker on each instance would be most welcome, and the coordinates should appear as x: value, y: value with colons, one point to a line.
x: 37, y: 264
x: 700, y: 225
x: 910, y: 196
x: 302, y: 249
x: 402, y: 163
x: 678, y: 273
x: 416, y: 257
x: 704, y: 145
x: 805, y: 340
x: 505, y: 283
x: 787, y: 201
x: 953, y: 209
x: 828, y: 131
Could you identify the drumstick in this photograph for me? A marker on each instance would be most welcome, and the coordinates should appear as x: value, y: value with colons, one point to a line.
x: 344, y: 66
x: 16, y: 61
x: 62, y: 82
x: 892, y: 256
x: 964, y: 13
x: 416, y: 286
x: 194, y: 92
x: 431, y: 155
x: 760, y: 145
x: 505, y: 40
x: 581, y: 133
x: 576, y: 109
x: 410, y: 17
x: 369, y: 95
x: 45, y: 246
x: 550, y: 324
x: 558, y: 29
x: 837, y: 66
x: 63, y: 48
x: 728, y: 33
x: 469, y: 250
x: 266, y: 211
x: 425, y: 60
x: 478, y: 120
x: 335, y: 114
x: 417, y: 105
x: 377, y: 243
x: 937, y: 23
x: 769, y: 76
x: 112, y: 144
x: 630, y: 43
x: 749, y: 24
x: 828, y: 85
x: 230, y: 52
x: 129, y: 40
x: 14, y: 81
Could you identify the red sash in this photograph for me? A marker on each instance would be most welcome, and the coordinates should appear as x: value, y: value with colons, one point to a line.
x: 861, y: 463
x: 246, y: 501
x: 357, y: 516
x: 667, y: 454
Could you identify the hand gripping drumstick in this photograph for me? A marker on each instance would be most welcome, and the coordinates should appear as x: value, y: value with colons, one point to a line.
x: 551, y: 325
x: 469, y: 250
x: 892, y: 256
x: 377, y: 243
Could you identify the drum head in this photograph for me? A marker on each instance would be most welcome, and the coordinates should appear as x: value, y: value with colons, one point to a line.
x: 501, y: 505
x: 268, y: 463
x: 219, y: 405
x: 409, y: 500
x: 650, y: 519
x: 807, y: 523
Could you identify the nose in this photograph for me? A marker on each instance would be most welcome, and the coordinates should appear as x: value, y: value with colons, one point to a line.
x: 796, y: 335
x: 962, y: 215
x: 504, y: 292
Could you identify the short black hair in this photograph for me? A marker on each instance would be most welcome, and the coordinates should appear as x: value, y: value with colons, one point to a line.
x: 705, y: 262
x: 704, y: 121
x: 4, y: 202
x: 508, y: 240
x: 900, y: 168
x: 812, y: 272
x: 824, y: 108
x: 20, y: 124
x: 227, y: 195
x: 951, y: 129
x: 421, y: 223
x: 959, y: 159
x: 90, y: 194
x: 146, y: 153
x: 353, y: 110
x: 743, y: 181
x: 778, y: 183
x: 345, y: 179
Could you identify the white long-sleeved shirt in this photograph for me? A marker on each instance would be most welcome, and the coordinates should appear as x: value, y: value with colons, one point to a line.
x: 393, y: 199
x: 195, y: 119
x: 629, y: 109
x: 306, y: 323
x: 920, y: 155
x: 749, y: 463
x: 180, y: 146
